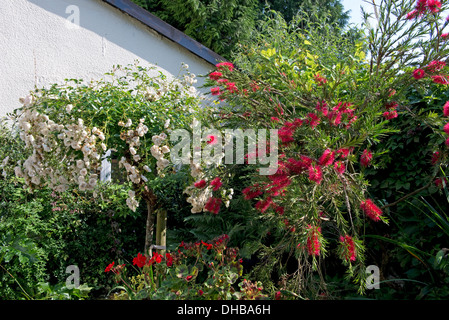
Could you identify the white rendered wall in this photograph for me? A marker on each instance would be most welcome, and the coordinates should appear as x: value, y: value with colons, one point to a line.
x: 41, y: 44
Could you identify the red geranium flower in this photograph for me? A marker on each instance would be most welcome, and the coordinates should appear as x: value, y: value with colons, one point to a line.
x: 140, y: 260
x: 109, y: 267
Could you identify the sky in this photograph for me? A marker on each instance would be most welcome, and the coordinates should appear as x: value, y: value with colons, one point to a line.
x: 354, y: 6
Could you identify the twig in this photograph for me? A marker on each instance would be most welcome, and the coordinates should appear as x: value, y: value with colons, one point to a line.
x: 407, y: 196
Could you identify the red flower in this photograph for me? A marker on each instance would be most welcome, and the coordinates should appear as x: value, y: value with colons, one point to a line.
x: 274, y: 119
x: 444, y: 36
x: 348, y: 247
x: 169, y: 259
x: 327, y: 158
x: 213, y: 205
x: 418, y: 74
x: 200, y: 184
x: 320, y: 80
x: 215, y: 91
x: 344, y: 152
x: 433, y: 5
x: 140, y: 260
x: 435, y: 66
x: 446, y: 128
x: 263, y: 205
x: 207, y: 245
x: 435, y: 157
x: 314, y: 120
x: 390, y: 114
x: 313, y: 240
x: 109, y: 267
x: 212, y: 139
x: 440, y: 182
x: 339, y: 167
x: 365, y: 159
x: 412, y: 15
x: 216, y: 183
x: 251, y: 192
x: 391, y: 105
x: 215, y: 75
x: 446, y: 109
x: 371, y: 210
x: 231, y: 87
x: 315, y: 174
x: 188, y: 278
x: 286, y: 134
x: 440, y: 79
x: 228, y: 65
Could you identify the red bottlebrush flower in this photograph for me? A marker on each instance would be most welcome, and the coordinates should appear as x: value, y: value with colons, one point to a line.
x: 349, y: 250
x: 254, y: 86
x: 109, y: 267
x: 215, y: 91
x: 433, y: 5
x: 322, y: 106
x: 274, y: 119
x: 200, y: 184
x: 440, y: 182
x: 339, y: 167
x: 231, y: 87
x: 390, y: 114
x: 418, y: 74
x: 315, y: 174
x: 421, y: 6
x: 371, y: 210
x: 168, y: 259
x: 412, y: 15
x: 391, y: 105
x: 313, y: 120
x: 444, y: 36
x: 286, y: 134
x: 200, y: 292
x: 264, y: 205
x: 215, y: 75
x: 320, y: 80
x: 344, y: 152
x: 435, y: 158
x: 251, y: 192
x: 140, y: 260
x: 446, y: 109
x: 313, y: 240
x: 222, y: 81
x: 335, y: 117
x: 435, y: 66
x: 277, y: 295
x: 440, y: 79
x: 216, y: 183
x: 366, y: 157
x: 213, y: 205
x: 447, y: 142
x: 327, y: 158
x: 223, y: 65
x: 446, y: 128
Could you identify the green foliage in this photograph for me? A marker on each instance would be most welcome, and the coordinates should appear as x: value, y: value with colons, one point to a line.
x: 201, y: 271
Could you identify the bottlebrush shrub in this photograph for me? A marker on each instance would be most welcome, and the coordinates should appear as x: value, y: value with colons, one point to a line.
x: 330, y: 103
x: 202, y: 271
x: 69, y: 128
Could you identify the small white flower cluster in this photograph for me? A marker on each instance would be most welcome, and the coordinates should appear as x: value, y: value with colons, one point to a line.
x: 227, y: 196
x: 3, y: 165
x: 198, y: 197
x: 131, y: 200
x: 51, y: 142
x: 131, y: 165
x: 158, y: 151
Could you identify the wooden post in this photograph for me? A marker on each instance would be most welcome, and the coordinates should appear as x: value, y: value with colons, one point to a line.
x: 161, y: 230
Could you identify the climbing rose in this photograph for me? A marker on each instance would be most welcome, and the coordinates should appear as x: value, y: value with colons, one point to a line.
x: 371, y: 210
